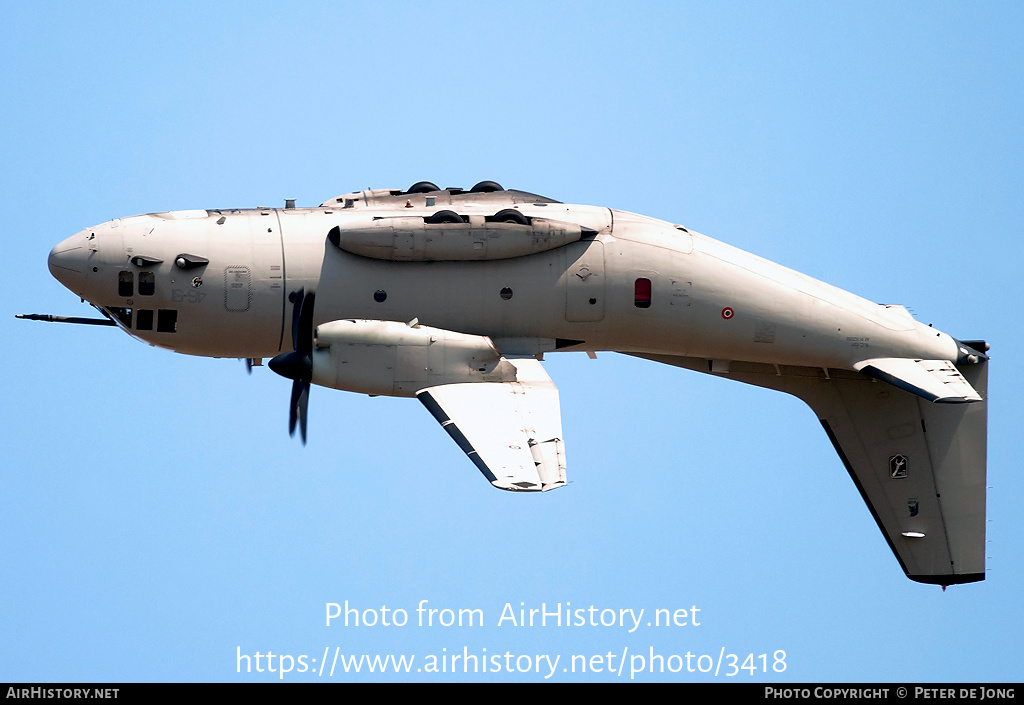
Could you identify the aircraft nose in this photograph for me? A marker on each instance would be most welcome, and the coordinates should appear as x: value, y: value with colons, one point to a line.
x: 68, y: 262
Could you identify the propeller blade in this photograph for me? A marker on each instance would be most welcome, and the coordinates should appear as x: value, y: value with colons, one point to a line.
x: 305, y: 329
x: 296, y: 313
x: 303, y: 405
x: 293, y: 410
x: 297, y: 365
x: 299, y: 405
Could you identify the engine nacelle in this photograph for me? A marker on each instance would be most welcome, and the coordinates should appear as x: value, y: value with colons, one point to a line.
x: 388, y: 358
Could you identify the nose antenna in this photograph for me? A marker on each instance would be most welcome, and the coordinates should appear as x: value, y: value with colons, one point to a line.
x: 50, y: 318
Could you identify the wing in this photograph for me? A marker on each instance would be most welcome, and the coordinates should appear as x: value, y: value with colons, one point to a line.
x: 512, y: 431
x: 919, y: 466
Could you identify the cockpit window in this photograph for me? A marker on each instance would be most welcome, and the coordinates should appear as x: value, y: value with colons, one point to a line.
x: 147, y: 283
x: 125, y: 283
x: 144, y: 319
x: 124, y: 315
x: 166, y: 321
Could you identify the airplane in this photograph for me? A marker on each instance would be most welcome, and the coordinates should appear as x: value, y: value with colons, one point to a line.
x: 455, y: 296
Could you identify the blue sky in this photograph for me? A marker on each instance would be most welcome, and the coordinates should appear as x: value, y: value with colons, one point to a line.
x: 155, y: 518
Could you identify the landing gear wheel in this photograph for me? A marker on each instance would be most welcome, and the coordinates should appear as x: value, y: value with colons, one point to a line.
x: 486, y: 187
x: 444, y: 217
x: 423, y: 187
x: 510, y: 215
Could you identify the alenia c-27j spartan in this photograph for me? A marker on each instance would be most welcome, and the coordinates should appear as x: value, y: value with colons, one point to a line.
x: 454, y: 297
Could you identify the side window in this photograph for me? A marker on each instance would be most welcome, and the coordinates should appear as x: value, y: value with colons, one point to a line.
x: 125, y: 283
x: 147, y: 283
x: 642, y: 293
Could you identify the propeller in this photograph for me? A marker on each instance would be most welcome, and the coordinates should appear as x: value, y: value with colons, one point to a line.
x: 297, y: 365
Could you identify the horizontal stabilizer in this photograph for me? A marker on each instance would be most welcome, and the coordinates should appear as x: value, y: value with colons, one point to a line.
x: 934, y: 380
x: 512, y: 431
